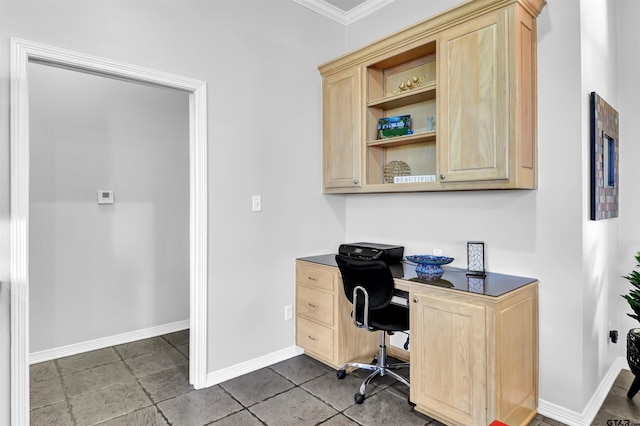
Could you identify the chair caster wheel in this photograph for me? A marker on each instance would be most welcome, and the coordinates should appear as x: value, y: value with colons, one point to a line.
x: 341, y: 374
x: 359, y: 398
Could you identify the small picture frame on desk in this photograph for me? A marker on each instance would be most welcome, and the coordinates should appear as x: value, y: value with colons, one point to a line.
x: 475, y: 258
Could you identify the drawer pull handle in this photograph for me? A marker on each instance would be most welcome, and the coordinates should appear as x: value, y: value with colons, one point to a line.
x: 313, y: 338
x: 312, y: 305
x: 313, y: 279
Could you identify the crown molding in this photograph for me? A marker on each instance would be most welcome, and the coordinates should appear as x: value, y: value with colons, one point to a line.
x: 340, y: 16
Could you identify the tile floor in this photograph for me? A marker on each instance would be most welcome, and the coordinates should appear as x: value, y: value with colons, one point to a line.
x: 147, y: 383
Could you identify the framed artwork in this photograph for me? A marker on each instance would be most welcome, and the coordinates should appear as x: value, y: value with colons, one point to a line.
x: 605, y: 156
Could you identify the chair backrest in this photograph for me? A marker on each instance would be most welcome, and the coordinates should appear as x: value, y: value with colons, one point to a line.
x: 373, y: 275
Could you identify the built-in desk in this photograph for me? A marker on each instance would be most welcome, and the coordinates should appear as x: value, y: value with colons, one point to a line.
x: 492, y: 284
x: 474, y: 342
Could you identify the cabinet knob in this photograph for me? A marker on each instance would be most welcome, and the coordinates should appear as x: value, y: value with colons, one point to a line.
x: 415, y: 300
x: 356, y: 181
x: 443, y: 177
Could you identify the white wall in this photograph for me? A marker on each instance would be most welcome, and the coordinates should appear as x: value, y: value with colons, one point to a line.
x: 629, y: 109
x: 530, y: 233
x: 260, y: 70
x: 398, y: 15
x: 260, y: 61
x: 102, y: 270
x: 599, y: 53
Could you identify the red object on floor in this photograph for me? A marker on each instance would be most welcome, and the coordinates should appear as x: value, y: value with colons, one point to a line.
x: 497, y: 423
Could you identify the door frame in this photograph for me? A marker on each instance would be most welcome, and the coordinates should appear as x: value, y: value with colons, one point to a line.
x: 23, y: 52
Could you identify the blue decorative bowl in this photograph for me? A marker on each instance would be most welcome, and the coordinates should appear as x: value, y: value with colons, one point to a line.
x: 429, y: 267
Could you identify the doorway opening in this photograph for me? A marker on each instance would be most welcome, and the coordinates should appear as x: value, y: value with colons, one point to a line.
x: 25, y: 52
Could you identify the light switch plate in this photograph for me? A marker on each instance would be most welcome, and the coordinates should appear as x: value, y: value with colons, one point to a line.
x: 256, y: 202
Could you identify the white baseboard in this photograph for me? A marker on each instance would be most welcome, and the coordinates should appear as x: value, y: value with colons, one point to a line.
x: 237, y: 370
x: 573, y: 418
x: 105, y: 342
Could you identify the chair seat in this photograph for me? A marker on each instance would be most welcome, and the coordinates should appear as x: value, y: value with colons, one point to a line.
x: 391, y: 318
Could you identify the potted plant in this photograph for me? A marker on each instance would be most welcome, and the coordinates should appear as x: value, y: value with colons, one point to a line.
x: 633, y: 337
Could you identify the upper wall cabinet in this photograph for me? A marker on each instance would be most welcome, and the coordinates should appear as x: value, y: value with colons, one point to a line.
x: 447, y: 104
x: 342, y: 100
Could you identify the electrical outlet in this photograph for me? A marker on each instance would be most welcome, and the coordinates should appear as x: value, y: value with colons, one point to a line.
x: 437, y: 252
x: 288, y: 312
x: 256, y: 202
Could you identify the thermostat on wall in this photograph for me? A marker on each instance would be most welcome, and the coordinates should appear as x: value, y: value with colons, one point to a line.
x: 105, y: 197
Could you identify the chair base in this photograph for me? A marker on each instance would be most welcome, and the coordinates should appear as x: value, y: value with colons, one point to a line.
x: 379, y: 367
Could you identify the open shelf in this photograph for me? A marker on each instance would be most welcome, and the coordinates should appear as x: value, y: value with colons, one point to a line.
x: 403, y: 140
x: 421, y: 94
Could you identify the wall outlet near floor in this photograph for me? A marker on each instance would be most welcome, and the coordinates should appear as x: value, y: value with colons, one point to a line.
x: 288, y: 312
x: 437, y: 252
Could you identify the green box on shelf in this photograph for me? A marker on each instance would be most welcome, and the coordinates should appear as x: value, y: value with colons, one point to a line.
x: 391, y: 127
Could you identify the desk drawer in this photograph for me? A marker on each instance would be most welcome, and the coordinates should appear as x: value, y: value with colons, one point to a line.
x: 315, y: 338
x: 314, y: 277
x: 315, y: 305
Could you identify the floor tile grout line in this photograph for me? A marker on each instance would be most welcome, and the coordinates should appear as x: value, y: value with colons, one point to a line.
x: 88, y: 368
x: 340, y: 413
x: 137, y: 379
x: 296, y: 384
x: 154, y: 403
x: 378, y: 389
x: 244, y: 407
x: 171, y: 343
x: 262, y: 400
x: 134, y: 378
x: 66, y: 395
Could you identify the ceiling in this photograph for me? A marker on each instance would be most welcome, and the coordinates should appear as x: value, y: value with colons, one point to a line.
x: 344, y: 11
x: 346, y: 5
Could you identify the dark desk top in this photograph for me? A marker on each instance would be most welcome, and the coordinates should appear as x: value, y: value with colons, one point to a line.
x: 492, y: 284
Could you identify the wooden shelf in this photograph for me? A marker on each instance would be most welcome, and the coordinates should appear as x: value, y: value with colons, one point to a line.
x: 424, y: 93
x: 403, y: 140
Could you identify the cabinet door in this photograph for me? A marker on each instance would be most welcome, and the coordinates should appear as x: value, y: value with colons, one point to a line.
x: 473, y: 104
x: 448, y: 358
x: 341, y: 130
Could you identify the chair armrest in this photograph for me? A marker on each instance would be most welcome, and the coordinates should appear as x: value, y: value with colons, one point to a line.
x: 358, y: 292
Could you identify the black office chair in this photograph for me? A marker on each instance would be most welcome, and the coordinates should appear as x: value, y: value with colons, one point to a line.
x: 368, y: 284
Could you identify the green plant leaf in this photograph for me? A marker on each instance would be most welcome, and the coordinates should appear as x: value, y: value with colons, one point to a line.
x: 633, y: 298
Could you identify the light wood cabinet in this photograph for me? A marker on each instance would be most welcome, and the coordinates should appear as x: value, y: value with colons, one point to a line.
x: 474, y: 358
x: 467, y: 77
x: 474, y: 105
x: 341, y: 97
x: 324, y: 328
